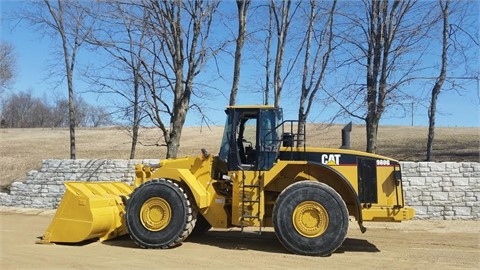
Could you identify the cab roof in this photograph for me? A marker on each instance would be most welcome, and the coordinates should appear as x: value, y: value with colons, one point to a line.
x: 251, y: 107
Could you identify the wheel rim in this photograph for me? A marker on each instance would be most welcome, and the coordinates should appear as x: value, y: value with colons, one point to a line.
x: 155, y: 214
x: 310, y: 219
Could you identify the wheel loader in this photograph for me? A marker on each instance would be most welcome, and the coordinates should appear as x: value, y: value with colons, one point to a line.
x: 264, y: 175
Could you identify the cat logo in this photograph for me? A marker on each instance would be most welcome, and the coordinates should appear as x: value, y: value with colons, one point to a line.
x: 331, y: 159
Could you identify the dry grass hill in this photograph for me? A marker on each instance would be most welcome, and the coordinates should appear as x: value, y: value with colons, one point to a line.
x: 22, y: 150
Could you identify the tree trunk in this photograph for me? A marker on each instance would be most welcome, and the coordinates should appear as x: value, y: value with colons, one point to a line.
x: 440, y: 80
x: 431, y: 122
x: 267, y: 56
x: 242, y: 6
x: 133, y: 148
x: 306, y: 86
x: 374, y: 56
x: 302, y: 120
x: 136, y: 121
x: 372, y: 130
x: 176, y: 129
x: 173, y: 145
x: 180, y: 109
x: 282, y: 30
x: 69, y: 66
x: 71, y: 113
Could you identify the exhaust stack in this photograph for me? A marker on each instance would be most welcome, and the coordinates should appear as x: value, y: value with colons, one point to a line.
x: 346, y: 136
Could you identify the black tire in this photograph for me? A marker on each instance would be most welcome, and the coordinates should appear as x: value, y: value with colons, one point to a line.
x: 154, y: 199
x: 330, y: 219
x: 201, y: 226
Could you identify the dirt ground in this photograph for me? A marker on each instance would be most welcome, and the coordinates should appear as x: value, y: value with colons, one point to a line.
x: 409, y: 245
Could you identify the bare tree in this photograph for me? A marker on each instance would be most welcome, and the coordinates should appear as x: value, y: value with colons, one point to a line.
x: 58, y: 15
x: 440, y: 80
x: 260, y: 46
x: 60, y: 113
x: 272, y: 35
x: 66, y: 20
x: 60, y: 109
x: 98, y: 116
x: 7, y: 65
x: 16, y: 109
x: 120, y: 32
x: 82, y: 109
x: 180, y: 31
x: 282, y: 19
x: 268, y: 48
x: 459, y: 47
x: 316, y: 59
x: 23, y: 110
x: 384, y: 20
x: 386, y: 46
x: 242, y: 8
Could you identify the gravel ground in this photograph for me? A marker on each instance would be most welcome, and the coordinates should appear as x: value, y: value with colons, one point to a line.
x: 409, y: 245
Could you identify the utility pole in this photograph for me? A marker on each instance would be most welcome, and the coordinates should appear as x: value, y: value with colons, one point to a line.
x: 412, y: 114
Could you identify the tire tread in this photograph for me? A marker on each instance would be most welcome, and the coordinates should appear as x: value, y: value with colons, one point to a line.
x: 190, y: 219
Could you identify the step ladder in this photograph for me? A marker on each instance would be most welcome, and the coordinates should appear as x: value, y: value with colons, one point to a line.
x: 248, y: 201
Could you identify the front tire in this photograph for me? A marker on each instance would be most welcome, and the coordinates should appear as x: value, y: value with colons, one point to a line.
x: 159, y: 215
x: 310, y: 218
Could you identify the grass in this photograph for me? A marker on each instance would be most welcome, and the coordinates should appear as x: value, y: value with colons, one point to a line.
x: 22, y: 150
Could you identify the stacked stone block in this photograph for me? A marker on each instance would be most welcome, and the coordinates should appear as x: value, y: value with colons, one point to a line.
x: 447, y: 190
x: 44, y: 188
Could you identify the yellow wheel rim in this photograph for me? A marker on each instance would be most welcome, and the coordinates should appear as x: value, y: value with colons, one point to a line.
x: 155, y: 214
x: 310, y: 219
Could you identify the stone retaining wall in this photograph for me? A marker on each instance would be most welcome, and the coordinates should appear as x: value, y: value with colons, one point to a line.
x: 44, y: 188
x: 446, y: 190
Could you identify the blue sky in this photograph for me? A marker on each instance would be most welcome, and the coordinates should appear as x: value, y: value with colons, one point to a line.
x: 34, y: 53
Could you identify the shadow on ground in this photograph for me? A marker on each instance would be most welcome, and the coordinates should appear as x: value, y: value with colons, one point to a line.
x: 236, y: 240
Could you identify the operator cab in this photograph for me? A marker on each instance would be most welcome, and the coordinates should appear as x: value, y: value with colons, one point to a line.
x: 251, y: 138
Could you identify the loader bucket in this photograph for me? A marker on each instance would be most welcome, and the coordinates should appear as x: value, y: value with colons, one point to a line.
x: 88, y: 211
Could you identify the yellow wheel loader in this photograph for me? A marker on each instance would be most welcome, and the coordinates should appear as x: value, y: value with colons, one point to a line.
x: 265, y: 175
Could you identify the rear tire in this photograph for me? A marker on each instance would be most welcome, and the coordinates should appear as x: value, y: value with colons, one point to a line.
x: 159, y: 215
x: 310, y: 218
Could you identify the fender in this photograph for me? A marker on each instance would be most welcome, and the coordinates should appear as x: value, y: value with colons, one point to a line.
x: 184, y: 176
x: 351, y: 191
